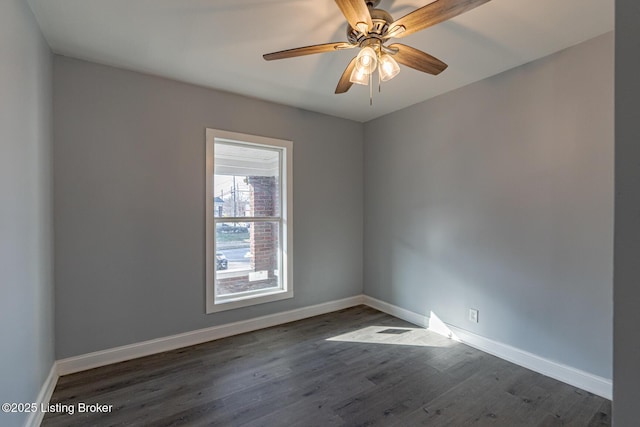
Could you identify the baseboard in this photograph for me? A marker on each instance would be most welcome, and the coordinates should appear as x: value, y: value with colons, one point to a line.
x: 119, y: 354
x: 561, y: 372
x: 394, y: 310
x: 43, y: 398
x: 567, y: 374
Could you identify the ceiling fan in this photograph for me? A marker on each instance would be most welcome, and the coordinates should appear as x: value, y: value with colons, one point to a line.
x: 370, y: 29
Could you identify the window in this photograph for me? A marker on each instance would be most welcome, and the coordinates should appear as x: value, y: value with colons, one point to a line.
x: 249, y: 219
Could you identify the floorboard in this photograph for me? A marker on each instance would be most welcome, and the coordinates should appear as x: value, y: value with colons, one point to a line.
x: 355, y: 367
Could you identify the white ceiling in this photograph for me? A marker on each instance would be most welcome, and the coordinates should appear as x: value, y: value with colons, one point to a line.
x: 219, y: 44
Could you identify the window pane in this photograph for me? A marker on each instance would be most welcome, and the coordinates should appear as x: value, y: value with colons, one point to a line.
x: 232, y: 246
x: 246, y: 181
x: 247, y: 257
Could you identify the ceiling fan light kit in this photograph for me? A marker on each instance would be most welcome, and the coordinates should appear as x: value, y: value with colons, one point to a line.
x: 388, y: 67
x: 367, y: 60
x: 370, y: 28
x: 358, y: 76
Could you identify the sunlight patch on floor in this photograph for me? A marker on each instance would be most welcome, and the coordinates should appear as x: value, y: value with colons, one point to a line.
x: 439, y: 327
x: 395, y: 336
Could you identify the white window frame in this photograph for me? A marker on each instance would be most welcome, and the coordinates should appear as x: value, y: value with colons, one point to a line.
x: 216, y: 304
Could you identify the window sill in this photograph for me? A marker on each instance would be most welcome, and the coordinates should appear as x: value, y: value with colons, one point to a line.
x: 248, y: 300
x: 229, y: 274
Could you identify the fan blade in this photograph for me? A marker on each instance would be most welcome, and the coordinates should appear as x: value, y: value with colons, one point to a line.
x: 344, y: 84
x: 431, y: 14
x: 417, y: 59
x: 307, y: 50
x: 356, y: 12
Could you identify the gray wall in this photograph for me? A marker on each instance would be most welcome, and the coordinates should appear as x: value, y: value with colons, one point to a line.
x: 26, y: 278
x: 129, y: 212
x: 626, y: 372
x: 499, y: 196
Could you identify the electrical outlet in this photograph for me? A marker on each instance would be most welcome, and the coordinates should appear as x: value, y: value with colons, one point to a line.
x: 473, y: 315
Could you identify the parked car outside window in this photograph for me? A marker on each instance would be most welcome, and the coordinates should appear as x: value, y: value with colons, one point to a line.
x: 221, y: 261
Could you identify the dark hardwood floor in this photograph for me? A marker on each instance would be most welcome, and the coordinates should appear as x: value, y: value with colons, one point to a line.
x: 355, y: 367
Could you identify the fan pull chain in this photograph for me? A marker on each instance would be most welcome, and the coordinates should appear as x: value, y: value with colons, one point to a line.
x: 370, y: 90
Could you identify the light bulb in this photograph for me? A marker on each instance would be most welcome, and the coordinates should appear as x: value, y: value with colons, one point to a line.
x: 366, y: 60
x: 388, y: 67
x: 359, y: 77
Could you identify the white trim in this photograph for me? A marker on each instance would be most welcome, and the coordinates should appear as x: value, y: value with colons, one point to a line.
x: 214, y: 304
x: 561, y: 372
x: 394, y: 310
x: 119, y: 354
x: 35, y: 418
x: 567, y: 374
x: 210, y: 241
